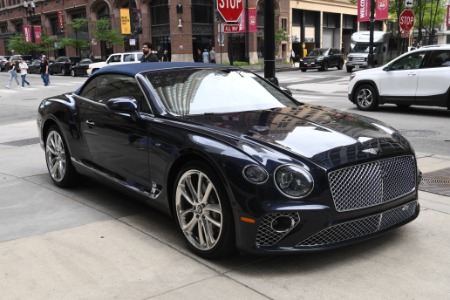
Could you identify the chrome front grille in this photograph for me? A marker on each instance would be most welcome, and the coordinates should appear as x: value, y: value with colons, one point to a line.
x: 267, y: 236
x: 372, y: 183
x: 359, y: 228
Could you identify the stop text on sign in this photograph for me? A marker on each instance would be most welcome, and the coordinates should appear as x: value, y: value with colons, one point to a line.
x: 227, y: 4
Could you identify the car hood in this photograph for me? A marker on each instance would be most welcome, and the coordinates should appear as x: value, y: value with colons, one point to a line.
x: 324, y: 136
x: 312, y: 57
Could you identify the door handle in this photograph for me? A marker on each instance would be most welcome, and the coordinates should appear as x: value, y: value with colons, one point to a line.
x: 412, y: 74
x: 90, y: 123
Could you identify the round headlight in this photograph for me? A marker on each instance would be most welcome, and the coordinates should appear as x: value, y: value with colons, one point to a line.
x: 255, y: 174
x: 293, y: 181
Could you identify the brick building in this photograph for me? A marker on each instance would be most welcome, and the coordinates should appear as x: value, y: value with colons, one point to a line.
x: 194, y: 25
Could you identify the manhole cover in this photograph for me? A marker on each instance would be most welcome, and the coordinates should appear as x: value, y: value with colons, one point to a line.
x: 437, y: 182
x: 417, y: 133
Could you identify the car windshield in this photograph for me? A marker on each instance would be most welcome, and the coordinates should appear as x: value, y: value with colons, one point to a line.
x: 203, y: 91
x: 363, y: 48
x: 318, y: 52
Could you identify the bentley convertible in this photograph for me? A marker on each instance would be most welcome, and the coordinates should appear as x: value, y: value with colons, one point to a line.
x: 238, y: 162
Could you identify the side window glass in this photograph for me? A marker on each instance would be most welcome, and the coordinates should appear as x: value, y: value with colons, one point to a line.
x: 438, y: 59
x: 115, y: 58
x: 409, y: 62
x: 127, y: 57
x: 90, y: 89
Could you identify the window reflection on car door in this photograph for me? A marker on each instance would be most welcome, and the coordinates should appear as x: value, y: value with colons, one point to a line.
x: 117, y: 141
x: 399, y: 83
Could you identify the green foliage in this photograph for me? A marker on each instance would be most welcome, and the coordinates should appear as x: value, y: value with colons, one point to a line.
x: 240, y: 63
x: 18, y: 44
x: 47, y: 43
x: 74, y: 42
x: 281, y: 36
x: 104, y: 32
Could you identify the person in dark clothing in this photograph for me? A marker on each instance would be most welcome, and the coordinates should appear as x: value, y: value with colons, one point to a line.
x: 148, y: 56
x: 43, y: 70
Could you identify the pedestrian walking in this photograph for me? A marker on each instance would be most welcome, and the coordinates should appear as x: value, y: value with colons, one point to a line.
x: 148, y: 56
x: 293, y: 57
x: 205, y: 56
x: 212, y: 56
x: 43, y: 70
x: 12, y: 72
x: 23, y: 72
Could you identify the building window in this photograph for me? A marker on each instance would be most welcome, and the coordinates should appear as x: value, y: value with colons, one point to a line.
x: 284, y: 24
x: 160, y: 12
x: 202, y: 11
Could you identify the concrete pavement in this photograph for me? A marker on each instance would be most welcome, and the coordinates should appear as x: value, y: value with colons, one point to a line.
x: 92, y: 243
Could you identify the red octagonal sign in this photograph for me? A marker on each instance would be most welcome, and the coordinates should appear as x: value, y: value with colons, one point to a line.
x: 230, y: 10
x: 406, y: 20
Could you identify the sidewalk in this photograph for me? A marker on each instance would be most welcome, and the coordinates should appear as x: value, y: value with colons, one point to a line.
x: 93, y: 243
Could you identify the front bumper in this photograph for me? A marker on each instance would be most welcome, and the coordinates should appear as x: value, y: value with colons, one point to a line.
x: 311, y: 65
x: 352, y: 64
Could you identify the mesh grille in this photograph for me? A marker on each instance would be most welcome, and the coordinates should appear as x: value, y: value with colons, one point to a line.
x: 361, y: 227
x: 373, y: 183
x: 267, y: 236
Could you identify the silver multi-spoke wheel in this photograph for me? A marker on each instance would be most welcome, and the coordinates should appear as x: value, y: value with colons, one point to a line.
x: 199, y: 209
x: 56, y: 156
x: 366, y: 99
x: 58, y: 161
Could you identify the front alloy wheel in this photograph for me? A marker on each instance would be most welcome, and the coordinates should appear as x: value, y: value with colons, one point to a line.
x: 58, y: 159
x: 366, y: 98
x: 202, y: 211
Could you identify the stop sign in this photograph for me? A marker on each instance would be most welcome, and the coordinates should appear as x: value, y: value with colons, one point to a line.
x: 406, y: 20
x: 230, y: 10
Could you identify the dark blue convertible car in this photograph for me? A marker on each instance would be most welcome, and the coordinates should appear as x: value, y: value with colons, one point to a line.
x: 235, y: 160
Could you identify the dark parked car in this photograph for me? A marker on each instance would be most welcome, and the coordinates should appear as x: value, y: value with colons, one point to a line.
x: 63, y: 65
x: 3, y: 62
x: 322, y: 59
x: 234, y: 159
x: 80, y: 69
x: 34, y: 66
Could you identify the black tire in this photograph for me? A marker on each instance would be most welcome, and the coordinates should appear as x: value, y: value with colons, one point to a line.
x: 340, y: 65
x: 50, y: 72
x: 206, y: 224
x: 57, y: 158
x: 366, y: 97
x: 303, y: 70
x: 349, y: 69
x: 324, y: 66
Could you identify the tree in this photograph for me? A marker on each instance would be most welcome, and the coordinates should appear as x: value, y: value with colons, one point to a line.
x: 104, y: 32
x: 428, y: 16
x: 78, y: 25
x: 47, y: 43
x: 20, y: 46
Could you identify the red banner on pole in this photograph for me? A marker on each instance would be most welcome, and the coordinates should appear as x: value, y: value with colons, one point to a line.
x: 448, y: 15
x: 60, y: 20
x: 27, y: 33
x: 382, y: 10
x: 363, y: 10
x: 251, y: 21
x: 37, y: 33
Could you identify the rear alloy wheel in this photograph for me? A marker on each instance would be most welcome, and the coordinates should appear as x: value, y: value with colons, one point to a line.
x: 58, y: 160
x: 366, y: 97
x: 203, y: 211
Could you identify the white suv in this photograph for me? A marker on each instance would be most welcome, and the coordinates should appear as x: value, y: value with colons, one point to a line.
x: 117, y: 58
x: 418, y: 77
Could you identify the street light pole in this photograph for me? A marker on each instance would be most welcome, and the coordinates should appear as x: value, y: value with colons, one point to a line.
x: 30, y: 12
x: 372, y: 25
